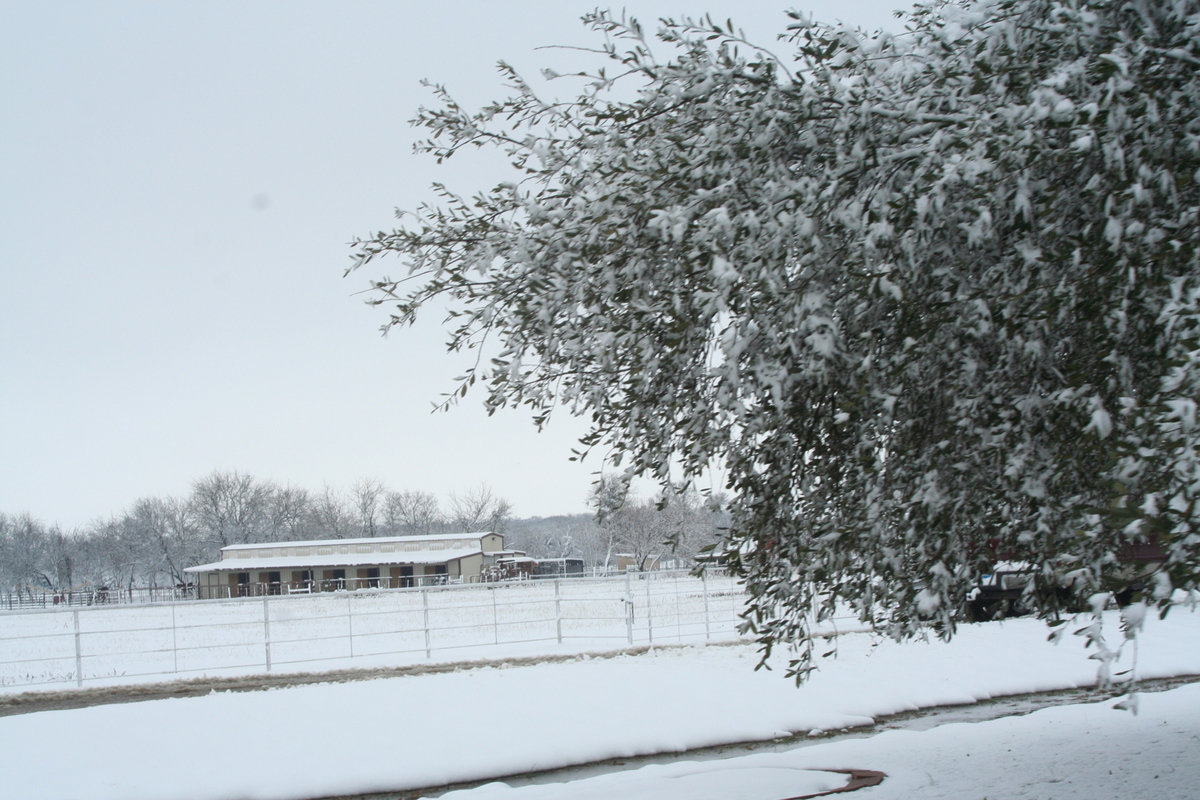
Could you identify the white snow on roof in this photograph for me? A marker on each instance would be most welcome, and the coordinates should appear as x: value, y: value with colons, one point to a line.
x: 371, y: 540
x: 338, y: 559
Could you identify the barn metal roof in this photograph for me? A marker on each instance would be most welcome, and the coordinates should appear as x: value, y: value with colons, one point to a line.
x: 376, y: 540
x: 337, y: 560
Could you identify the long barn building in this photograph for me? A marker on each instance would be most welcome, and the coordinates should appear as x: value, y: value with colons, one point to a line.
x: 333, y: 564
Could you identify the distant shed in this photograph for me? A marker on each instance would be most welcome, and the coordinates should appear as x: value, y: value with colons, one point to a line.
x: 336, y: 564
x: 548, y: 567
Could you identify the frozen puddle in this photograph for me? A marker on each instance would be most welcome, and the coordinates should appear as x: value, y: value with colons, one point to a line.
x: 695, y: 780
x: 703, y: 775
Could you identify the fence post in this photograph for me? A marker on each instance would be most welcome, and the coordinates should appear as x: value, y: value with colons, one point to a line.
x: 557, y: 611
x: 649, y: 612
x: 174, y: 640
x: 350, y: 620
x: 495, y: 617
x: 425, y: 607
x: 78, y: 652
x: 704, y: 593
x: 628, y: 610
x: 678, y: 611
x: 267, y: 632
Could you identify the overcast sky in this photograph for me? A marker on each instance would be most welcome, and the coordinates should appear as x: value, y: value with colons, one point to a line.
x: 178, y: 185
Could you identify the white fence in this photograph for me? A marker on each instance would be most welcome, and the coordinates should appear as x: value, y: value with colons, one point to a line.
x: 74, y: 647
x: 28, y: 599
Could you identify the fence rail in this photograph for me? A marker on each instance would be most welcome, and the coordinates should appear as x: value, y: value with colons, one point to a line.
x: 111, y: 644
x: 142, y: 595
x: 100, y: 596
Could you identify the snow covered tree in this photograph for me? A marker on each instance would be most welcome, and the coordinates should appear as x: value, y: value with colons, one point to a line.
x: 230, y: 508
x: 26, y: 554
x: 674, y: 524
x: 928, y: 300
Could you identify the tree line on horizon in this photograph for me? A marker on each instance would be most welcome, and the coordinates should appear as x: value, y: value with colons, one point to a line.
x: 151, y: 543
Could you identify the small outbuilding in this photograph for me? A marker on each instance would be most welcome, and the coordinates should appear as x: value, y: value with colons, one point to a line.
x: 554, y: 567
x: 338, y: 564
x: 627, y: 562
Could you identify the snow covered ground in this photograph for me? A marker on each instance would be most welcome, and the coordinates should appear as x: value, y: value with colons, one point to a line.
x: 1081, y: 752
x: 429, y: 730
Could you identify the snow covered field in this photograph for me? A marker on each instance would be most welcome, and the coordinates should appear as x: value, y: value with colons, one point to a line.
x: 476, y: 724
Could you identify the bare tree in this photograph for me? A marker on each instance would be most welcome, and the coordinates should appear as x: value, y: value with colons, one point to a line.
x: 290, y: 514
x: 161, y: 536
x: 678, y: 522
x: 60, y: 551
x: 33, y: 556
x: 125, y: 552
x: 90, y: 562
x: 479, y: 509
x: 563, y: 542
x: 641, y: 531
x: 368, y: 496
x: 609, y: 498
x: 591, y: 542
x: 231, y: 508
x: 332, y: 514
x: 690, y: 523
x: 410, y: 513
x: 25, y: 561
